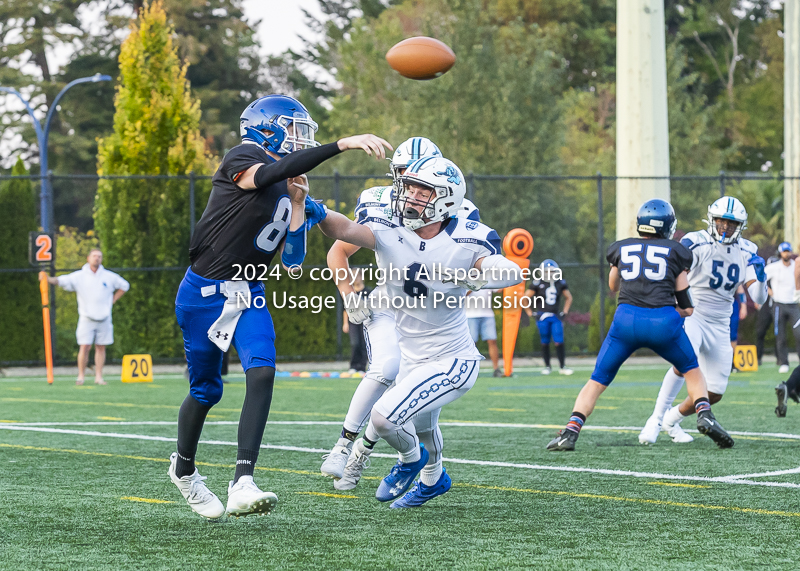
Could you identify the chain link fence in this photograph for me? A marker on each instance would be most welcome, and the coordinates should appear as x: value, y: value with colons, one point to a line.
x: 571, y: 218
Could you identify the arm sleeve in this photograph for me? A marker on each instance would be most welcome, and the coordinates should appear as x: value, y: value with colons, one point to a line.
x: 295, y: 164
x: 757, y: 289
x: 500, y: 272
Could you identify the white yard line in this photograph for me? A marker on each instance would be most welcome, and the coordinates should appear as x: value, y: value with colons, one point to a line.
x: 634, y: 474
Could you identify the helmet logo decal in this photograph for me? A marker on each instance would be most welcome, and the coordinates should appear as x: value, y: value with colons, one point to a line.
x: 451, y: 174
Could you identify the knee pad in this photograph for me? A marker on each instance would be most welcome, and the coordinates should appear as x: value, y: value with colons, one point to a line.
x: 382, y: 425
x: 390, y: 369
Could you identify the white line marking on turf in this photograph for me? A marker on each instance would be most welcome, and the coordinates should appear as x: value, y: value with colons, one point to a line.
x: 476, y: 424
x: 722, y: 479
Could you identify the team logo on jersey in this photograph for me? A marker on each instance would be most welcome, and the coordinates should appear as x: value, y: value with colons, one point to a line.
x: 472, y: 225
x: 451, y: 174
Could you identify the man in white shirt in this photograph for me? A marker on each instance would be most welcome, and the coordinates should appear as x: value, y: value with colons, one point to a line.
x: 781, y: 281
x: 98, y: 289
x: 482, y: 325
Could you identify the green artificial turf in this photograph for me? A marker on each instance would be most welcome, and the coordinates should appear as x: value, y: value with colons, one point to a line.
x: 64, y: 505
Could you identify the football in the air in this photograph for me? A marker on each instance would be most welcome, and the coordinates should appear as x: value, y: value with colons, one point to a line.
x: 421, y: 58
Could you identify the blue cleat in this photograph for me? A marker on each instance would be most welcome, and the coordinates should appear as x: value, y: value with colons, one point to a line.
x: 401, y: 477
x: 421, y: 493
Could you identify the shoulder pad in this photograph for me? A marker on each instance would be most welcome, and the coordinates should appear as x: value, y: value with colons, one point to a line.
x: 748, y: 246
x: 464, y: 231
x: 375, y: 204
x: 693, y: 240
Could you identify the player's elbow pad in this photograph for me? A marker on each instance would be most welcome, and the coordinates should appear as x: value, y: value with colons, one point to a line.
x: 684, y: 298
x: 500, y: 272
x: 758, y: 292
x: 294, y: 249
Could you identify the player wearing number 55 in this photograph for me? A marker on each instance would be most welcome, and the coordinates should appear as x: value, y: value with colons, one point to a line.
x: 257, y: 210
x: 650, y: 274
x: 98, y: 289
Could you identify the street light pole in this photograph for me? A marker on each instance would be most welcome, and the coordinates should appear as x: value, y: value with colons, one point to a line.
x: 42, y: 135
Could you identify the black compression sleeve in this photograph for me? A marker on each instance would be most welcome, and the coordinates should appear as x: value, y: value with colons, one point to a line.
x: 294, y: 164
x: 684, y: 299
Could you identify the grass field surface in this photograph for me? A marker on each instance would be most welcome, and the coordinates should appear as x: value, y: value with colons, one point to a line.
x: 84, y: 485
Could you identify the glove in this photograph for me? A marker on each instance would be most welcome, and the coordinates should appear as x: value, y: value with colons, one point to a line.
x: 758, y: 265
x: 315, y: 212
x: 357, y: 307
x: 466, y: 282
x: 561, y: 314
x: 797, y: 296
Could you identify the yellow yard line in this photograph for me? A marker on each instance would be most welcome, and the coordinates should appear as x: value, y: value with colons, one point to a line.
x: 325, y: 495
x: 146, y: 500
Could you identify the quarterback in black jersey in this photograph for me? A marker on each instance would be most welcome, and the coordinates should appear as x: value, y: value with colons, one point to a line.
x: 258, y: 208
x: 651, y: 275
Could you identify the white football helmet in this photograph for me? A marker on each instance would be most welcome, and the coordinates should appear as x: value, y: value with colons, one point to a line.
x: 438, y: 174
x: 411, y: 150
x: 727, y: 208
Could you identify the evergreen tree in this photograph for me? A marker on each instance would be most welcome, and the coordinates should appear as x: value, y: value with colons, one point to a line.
x: 20, y: 304
x: 145, y: 223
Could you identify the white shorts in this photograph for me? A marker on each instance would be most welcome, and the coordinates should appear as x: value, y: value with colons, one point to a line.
x: 711, y: 341
x: 91, y: 332
x: 383, y: 352
x: 421, y: 390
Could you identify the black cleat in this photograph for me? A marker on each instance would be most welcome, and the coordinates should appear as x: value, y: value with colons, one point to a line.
x: 782, y: 391
x: 565, y: 440
x: 708, y: 425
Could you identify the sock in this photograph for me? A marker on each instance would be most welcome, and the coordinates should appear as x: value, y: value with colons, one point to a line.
x: 672, y: 417
x: 701, y: 404
x: 546, y: 355
x: 367, y: 394
x: 560, y: 351
x: 576, y: 422
x: 371, y: 436
x: 191, y: 417
x: 348, y: 435
x: 253, y: 420
x: 245, y: 463
x: 431, y: 473
x: 670, y: 387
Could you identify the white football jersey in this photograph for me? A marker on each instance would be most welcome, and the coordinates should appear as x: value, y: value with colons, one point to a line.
x: 430, y: 315
x: 717, y: 271
x: 374, y: 206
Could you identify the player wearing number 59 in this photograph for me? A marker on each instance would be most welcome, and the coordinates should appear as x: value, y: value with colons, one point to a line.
x: 256, y: 210
x: 98, y: 289
x: 650, y: 273
x: 722, y: 261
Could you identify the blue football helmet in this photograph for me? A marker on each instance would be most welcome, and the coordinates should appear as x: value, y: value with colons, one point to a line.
x: 656, y: 217
x: 548, y: 268
x: 279, y: 123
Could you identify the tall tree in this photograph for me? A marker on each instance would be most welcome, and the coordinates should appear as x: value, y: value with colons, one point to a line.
x: 146, y: 223
x: 20, y: 310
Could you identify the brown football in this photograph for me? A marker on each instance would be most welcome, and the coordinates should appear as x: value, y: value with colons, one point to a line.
x: 421, y: 58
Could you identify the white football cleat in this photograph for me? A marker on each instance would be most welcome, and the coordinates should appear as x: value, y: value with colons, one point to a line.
x: 245, y: 498
x: 676, y: 432
x: 336, y: 460
x: 359, y: 460
x: 546, y: 371
x: 649, y: 433
x: 565, y: 371
x: 195, y: 492
x: 783, y: 369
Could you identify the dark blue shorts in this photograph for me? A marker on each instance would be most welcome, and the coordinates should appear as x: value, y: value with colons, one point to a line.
x: 735, y: 319
x: 550, y: 327
x: 659, y: 329
x: 254, y: 338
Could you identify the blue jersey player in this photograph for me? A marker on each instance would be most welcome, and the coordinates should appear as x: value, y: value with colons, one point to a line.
x: 256, y: 210
x: 650, y: 274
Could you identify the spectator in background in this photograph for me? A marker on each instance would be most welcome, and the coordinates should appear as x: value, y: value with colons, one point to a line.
x: 739, y: 312
x: 359, y: 344
x: 98, y: 289
x: 781, y: 281
x: 546, y: 294
x: 482, y: 325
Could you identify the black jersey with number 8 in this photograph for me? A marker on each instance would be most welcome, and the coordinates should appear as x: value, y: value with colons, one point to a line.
x: 648, y: 268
